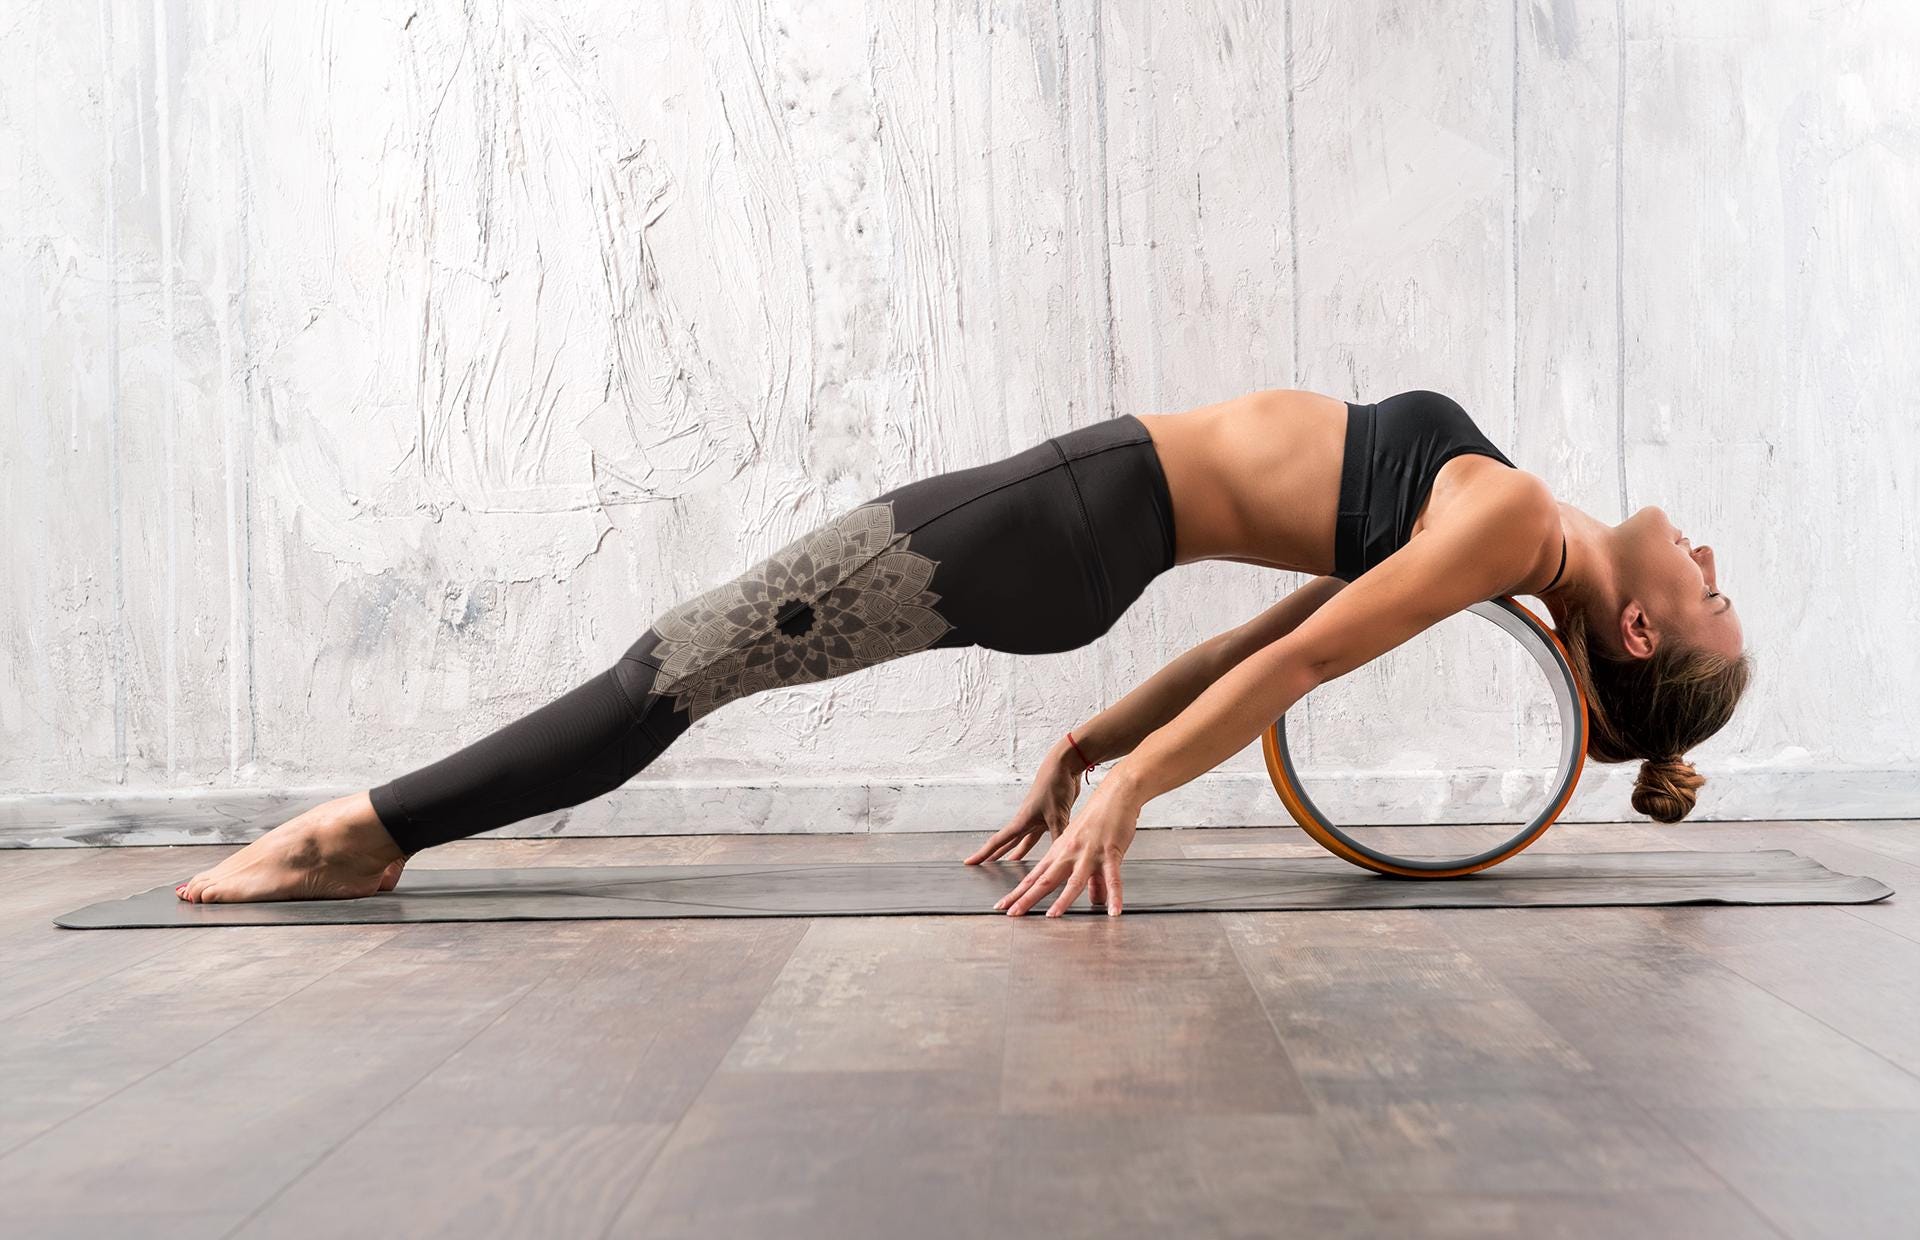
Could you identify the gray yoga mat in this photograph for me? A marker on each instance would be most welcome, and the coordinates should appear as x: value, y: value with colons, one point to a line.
x: 1153, y: 885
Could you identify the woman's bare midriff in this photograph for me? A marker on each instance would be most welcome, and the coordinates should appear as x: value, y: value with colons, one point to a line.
x: 1256, y: 479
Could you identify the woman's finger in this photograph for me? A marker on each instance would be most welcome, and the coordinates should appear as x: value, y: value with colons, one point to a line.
x: 985, y: 851
x: 1076, y: 883
x: 1025, y: 846
x: 1006, y: 837
x: 1048, y: 877
x: 1027, y: 880
x: 1012, y: 841
x: 1112, y: 885
x: 1097, y: 888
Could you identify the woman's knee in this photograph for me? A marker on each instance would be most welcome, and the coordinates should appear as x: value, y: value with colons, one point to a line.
x: 846, y: 596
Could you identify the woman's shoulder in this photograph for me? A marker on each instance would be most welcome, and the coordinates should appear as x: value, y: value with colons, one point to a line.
x: 1489, y: 488
x: 1506, y: 512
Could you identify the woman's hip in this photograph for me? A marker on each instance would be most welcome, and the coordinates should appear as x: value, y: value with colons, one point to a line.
x: 1043, y: 550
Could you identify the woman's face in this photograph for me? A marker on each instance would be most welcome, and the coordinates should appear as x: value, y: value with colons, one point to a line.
x: 1676, y: 583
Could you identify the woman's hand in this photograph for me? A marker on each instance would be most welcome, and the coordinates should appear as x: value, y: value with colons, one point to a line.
x: 1087, y: 854
x: 1048, y: 805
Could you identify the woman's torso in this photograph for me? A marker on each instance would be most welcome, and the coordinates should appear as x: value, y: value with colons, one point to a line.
x: 1256, y: 479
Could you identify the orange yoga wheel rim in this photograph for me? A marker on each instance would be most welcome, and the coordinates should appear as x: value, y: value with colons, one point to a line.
x: 1540, y: 641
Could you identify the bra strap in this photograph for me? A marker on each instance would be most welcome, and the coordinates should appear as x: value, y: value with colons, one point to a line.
x: 1561, y: 569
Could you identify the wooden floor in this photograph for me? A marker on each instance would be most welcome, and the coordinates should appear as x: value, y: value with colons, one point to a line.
x: 1639, y: 1073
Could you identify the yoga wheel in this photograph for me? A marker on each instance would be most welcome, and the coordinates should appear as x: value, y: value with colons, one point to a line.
x: 1538, y: 639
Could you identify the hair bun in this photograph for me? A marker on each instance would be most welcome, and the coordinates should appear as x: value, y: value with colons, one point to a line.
x: 1665, y: 790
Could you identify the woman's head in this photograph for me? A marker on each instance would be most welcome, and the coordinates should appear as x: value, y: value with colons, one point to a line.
x: 1668, y: 590
x: 1660, y: 656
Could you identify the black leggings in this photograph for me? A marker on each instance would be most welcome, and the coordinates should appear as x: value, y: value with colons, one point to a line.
x: 1034, y: 554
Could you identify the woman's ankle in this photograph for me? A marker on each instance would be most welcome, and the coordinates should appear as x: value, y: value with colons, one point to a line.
x: 355, y: 812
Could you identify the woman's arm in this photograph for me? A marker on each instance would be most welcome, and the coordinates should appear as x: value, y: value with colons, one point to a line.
x: 1116, y: 730
x: 1439, y: 572
x: 1443, y: 571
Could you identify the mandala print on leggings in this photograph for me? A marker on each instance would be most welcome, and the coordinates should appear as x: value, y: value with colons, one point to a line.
x: 844, y: 597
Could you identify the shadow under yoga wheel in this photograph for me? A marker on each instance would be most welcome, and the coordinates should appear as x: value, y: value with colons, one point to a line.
x: 1538, y: 639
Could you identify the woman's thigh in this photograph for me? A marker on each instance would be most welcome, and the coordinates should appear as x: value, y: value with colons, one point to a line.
x: 1036, y: 553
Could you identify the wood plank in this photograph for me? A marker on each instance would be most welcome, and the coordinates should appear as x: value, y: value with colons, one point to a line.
x: 1150, y: 1014
x: 1841, y: 852
x: 79, y: 1049
x: 464, y: 1181
x: 1669, y: 1026
x: 1376, y: 1006
x: 625, y: 1028
x: 886, y: 1172
x: 1898, y: 839
x: 1818, y: 1174
x: 1700, y: 1214
x: 40, y: 964
x: 1171, y: 1173
x: 1554, y: 1143
x: 1430, y: 1073
x: 832, y: 1172
x: 1852, y: 967
x: 873, y: 1001
x: 1856, y: 978
x: 278, y: 1078
x: 81, y: 1223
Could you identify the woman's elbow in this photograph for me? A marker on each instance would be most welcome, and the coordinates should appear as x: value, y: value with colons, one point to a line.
x: 1285, y: 676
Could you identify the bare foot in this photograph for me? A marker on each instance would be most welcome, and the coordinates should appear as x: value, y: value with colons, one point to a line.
x: 335, y: 851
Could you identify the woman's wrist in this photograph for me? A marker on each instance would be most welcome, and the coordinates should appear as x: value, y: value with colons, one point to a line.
x: 1122, y: 783
x: 1071, y: 751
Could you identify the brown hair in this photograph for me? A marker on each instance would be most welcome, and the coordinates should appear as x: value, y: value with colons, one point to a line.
x: 1654, y: 709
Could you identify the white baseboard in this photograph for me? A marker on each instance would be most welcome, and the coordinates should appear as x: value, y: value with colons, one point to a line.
x: 1230, y: 799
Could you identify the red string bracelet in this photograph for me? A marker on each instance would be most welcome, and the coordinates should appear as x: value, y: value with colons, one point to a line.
x: 1076, y: 749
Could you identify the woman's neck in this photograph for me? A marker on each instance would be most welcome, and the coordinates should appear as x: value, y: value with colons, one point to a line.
x: 1588, y: 579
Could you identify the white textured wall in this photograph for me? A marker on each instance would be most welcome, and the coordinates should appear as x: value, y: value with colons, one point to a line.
x: 374, y: 373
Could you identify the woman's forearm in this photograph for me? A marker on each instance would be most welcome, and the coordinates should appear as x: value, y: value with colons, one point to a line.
x: 1117, y: 730
x: 1225, y: 718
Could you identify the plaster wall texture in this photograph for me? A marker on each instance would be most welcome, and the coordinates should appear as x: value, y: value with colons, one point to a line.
x: 374, y: 374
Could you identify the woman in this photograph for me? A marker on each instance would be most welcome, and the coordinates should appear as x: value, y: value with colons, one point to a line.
x: 1404, y: 508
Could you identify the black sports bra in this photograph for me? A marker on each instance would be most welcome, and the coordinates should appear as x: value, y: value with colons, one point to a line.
x: 1394, y: 451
